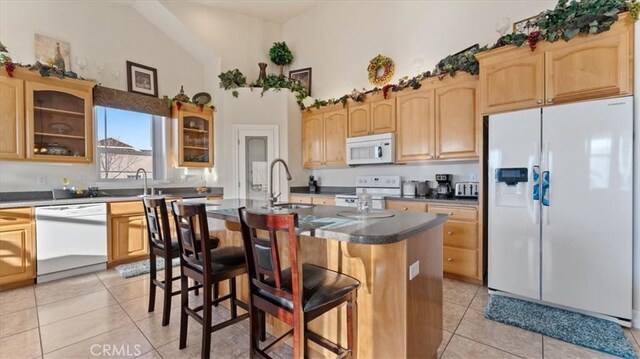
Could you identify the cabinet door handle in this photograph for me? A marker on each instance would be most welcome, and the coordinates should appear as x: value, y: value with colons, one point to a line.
x: 404, y: 208
x: 539, y: 102
x: 550, y: 100
x: 449, y: 259
x: 450, y: 233
x: 450, y: 213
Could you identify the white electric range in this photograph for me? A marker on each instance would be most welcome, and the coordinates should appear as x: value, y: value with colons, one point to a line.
x: 378, y: 187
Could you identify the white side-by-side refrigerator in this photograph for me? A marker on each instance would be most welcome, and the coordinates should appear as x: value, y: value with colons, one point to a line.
x: 560, y: 192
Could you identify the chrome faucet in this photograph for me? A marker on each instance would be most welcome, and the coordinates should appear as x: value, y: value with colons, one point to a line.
x: 144, y: 190
x: 272, y: 198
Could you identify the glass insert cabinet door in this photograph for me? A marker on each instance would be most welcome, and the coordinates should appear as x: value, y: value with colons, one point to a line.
x: 195, y: 137
x: 59, y: 123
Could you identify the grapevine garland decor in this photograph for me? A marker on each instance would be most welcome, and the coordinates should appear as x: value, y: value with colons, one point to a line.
x: 375, y: 65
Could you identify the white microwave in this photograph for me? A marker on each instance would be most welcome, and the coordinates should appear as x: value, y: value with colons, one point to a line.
x: 368, y: 150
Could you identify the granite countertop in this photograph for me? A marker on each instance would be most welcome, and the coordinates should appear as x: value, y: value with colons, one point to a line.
x: 451, y: 200
x: 324, y: 222
x: 46, y: 198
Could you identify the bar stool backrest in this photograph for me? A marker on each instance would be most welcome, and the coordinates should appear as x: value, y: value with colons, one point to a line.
x: 263, y: 260
x: 191, y: 219
x: 158, y: 229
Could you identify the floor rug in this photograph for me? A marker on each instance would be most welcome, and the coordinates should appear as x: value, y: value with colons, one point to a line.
x: 571, y: 327
x: 142, y: 267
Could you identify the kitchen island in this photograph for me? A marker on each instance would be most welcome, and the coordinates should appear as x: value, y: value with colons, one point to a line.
x: 398, y: 261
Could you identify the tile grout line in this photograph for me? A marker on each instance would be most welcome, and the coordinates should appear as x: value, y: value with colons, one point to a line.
x: 463, y: 314
x: 66, y: 346
x: 490, y: 346
x: 35, y: 300
x: 456, y: 330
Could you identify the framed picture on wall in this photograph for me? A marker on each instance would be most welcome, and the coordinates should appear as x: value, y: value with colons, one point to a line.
x: 304, y: 76
x: 142, y: 79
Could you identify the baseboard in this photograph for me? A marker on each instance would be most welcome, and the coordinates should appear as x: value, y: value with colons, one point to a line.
x: 635, y: 321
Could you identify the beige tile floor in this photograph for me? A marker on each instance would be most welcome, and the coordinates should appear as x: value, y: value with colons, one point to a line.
x: 103, y: 314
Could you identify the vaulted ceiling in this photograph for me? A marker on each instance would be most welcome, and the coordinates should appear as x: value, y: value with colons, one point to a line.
x: 279, y: 11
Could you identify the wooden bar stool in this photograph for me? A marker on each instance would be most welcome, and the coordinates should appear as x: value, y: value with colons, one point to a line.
x: 295, y: 295
x: 208, y: 266
x: 162, y: 245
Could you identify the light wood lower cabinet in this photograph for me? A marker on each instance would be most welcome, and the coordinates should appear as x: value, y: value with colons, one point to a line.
x: 128, y: 237
x: 311, y: 199
x: 17, y: 247
x: 127, y: 232
x: 406, y: 206
x: 462, y: 250
x: 300, y: 199
x: 462, y: 247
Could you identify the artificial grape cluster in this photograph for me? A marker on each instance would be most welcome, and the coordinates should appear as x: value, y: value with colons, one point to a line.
x: 9, y: 67
x: 532, y: 39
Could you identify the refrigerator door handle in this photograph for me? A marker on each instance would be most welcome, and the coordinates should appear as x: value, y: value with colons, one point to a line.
x: 545, y: 197
x: 535, y: 194
x: 545, y: 188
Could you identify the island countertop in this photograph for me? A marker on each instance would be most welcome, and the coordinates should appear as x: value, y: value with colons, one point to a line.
x: 326, y: 222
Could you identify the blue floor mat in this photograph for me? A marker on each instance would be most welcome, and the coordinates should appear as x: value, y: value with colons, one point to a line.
x: 571, y: 327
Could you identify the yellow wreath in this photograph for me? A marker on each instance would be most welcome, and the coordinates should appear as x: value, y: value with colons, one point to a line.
x: 375, y: 65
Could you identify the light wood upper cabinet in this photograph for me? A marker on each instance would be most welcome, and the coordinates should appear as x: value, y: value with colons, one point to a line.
x: 45, y: 119
x: 359, y: 120
x: 511, y: 78
x: 17, y: 245
x: 335, y: 138
x: 324, y: 136
x: 12, y: 135
x: 456, y: 120
x: 312, y: 140
x: 589, y: 67
x: 194, y: 135
x: 383, y: 116
x: 59, y: 117
x: 373, y: 117
x: 415, y: 121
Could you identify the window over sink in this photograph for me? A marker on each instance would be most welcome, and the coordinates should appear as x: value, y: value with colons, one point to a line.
x: 126, y: 141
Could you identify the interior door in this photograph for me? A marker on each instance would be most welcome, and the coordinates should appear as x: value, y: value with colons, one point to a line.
x: 255, y: 151
x: 514, y: 221
x: 587, y: 225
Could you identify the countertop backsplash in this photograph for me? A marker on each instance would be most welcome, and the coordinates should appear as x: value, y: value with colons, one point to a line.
x: 341, y: 177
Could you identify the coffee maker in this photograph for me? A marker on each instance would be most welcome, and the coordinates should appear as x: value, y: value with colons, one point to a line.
x: 444, y: 185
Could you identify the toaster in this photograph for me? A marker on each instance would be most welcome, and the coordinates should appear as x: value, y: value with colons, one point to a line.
x: 467, y: 189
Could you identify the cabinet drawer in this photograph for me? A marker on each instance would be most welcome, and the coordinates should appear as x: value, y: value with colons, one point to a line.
x: 15, y: 216
x: 456, y: 213
x: 118, y: 208
x: 460, y: 261
x: 300, y: 199
x: 324, y: 200
x: 407, y: 206
x: 460, y: 234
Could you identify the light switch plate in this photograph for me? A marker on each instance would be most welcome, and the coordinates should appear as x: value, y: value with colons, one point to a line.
x: 414, y: 270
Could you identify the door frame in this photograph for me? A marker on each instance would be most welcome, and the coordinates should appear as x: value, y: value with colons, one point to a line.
x: 238, y: 131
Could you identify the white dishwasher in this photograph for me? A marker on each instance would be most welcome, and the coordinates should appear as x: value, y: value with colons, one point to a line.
x: 70, y: 240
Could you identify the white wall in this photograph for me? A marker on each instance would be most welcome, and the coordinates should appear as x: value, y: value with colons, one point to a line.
x: 109, y: 33
x: 338, y: 38
x: 241, y: 41
x: 102, y: 32
x: 251, y: 108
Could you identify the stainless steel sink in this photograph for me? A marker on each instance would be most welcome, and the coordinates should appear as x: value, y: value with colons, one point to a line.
x: 283, y: 206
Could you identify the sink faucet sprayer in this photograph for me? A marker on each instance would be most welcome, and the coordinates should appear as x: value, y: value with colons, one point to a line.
x: 272, y: 198
x: 144, y: 190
